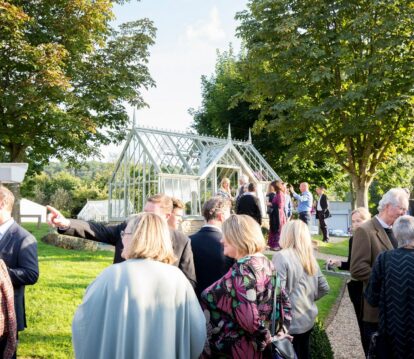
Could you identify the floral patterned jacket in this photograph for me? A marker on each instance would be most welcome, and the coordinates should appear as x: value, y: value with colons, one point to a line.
x: 238, y: 310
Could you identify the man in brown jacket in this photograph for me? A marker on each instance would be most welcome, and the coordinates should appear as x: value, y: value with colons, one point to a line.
x: 372, y: 238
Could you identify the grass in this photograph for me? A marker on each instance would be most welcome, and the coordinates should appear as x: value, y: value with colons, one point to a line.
x: 52, y: 301
x: 336, y: 249
x: 326, y: 303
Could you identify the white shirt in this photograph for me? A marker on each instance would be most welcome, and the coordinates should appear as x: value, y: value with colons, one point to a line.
x: 318, y: 207
x: 5, y: 227
x: 382, y: 223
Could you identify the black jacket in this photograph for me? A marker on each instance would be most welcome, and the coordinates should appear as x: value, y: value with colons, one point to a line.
x: 209, y: 261
x: 249, y: 204
x: 18, y: 249
x: 325, y: 205
x: 111, y: 234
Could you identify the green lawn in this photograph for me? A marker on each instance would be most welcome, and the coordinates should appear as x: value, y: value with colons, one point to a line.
x: 337, y: 249
x: 325, y: 303
x: 52, y: 301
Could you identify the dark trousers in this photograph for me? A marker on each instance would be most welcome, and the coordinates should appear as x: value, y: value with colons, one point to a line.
x: 356, y: 297
x: 369, y: 329
x: 301, y: 344
x: 322, y: 224
x: 305, y: 217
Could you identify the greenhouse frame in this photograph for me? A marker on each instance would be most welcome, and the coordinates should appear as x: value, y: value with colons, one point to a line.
x: 182, y: 165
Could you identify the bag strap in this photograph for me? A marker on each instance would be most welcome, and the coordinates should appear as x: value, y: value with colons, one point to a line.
x: 274, y: 312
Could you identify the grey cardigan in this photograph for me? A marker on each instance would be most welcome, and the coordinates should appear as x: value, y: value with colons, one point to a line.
x: 302, y: 289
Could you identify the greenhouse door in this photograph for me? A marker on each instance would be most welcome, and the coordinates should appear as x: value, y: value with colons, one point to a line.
x: 231, y: 172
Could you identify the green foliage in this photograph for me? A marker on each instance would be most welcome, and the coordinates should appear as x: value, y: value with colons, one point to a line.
x: 320, y: 345
x: 398, y: 172
x: 68, y: 188
x: 65, y: 75
x: 52, y: 301
x: 220, y: 107
x: 333, y: 77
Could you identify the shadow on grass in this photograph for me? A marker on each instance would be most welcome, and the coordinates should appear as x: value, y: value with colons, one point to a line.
x: 35, y: 345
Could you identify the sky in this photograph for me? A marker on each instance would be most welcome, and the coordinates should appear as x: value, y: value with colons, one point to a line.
x: 189, y: 33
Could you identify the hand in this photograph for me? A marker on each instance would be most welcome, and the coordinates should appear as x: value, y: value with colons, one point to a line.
x: 57, y: 219
x: 282, y: 335
x: 333, y: 262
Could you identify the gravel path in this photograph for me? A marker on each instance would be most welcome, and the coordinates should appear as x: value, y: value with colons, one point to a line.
x: 343, y: 332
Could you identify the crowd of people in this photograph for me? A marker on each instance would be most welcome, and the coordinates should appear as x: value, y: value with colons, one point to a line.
x: 214, y: 294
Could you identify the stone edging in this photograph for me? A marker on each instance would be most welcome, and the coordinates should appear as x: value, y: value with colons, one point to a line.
x: 336, y: 305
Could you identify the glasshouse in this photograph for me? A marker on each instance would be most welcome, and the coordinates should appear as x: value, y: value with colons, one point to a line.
x: 182, y: 165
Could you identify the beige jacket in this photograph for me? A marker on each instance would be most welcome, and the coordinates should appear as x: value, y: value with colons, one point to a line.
x: 369, y: 241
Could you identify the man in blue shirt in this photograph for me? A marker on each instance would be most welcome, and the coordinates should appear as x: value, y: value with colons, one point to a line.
x: 305, y: 202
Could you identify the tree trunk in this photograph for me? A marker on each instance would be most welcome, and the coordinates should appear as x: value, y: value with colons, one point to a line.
x: 15, y: 188
x: 351, y: 187
x: 361, y: 187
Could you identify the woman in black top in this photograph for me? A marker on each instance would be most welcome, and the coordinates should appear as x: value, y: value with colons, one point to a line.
x: 358, y: 216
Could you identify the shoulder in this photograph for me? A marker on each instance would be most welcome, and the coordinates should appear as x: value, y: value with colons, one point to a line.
x: 179, y: 237
x: 21, y: 233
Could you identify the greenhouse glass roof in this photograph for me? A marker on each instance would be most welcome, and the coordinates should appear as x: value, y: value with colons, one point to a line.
x: 194, y: 155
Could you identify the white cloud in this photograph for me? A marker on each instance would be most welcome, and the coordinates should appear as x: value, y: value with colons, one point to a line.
x: 210, y: 30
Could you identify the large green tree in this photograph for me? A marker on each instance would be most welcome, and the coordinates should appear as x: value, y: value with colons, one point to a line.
x: 65, y: 76
x: 220, y: 108
x: 341, y: 72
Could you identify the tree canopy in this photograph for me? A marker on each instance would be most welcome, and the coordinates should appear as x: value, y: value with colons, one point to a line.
x: 65, y: 76
x: 339, y: 72
x: 220, y: 108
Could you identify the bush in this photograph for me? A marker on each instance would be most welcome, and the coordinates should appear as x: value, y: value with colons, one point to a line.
x: 320, y: 345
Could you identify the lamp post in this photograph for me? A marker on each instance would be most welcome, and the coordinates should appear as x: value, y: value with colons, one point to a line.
x: 13, y: 174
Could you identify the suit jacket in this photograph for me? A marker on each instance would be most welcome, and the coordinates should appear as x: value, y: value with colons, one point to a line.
x: 249, y: 204
x: 369, y: 241
x: 18, y: 249
x: 209, y: 261
x: 99, y: 232
x: 325, y: 205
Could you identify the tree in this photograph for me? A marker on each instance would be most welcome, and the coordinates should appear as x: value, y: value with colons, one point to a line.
x: 340, y: 72
x: 65, y: 75
x: 220, y: 108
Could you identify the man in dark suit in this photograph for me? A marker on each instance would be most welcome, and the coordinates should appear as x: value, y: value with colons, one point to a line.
x: 18, y: 249
x: 249, y: 204
x: 370, y: 239
x: 322, y: 212
x: 209, y: 260
x: 112, y: 234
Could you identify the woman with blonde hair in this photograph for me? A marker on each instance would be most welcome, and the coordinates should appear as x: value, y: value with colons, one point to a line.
x: 239, y: 305
x: 143, y: 307
x: 304, y: 282
x: 225, y: 190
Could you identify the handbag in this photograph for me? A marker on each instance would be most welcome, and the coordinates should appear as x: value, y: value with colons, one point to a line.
x: 281, y: 348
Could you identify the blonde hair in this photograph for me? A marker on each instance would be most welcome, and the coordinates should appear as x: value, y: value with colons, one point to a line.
x: 363, y: 212
x: 224, y: 180
x: 164, y: 201
x: 295, y: 236
x: 6, y: 198
x: 177, y: 203
x: 150, y: 239
x: 244, y: 233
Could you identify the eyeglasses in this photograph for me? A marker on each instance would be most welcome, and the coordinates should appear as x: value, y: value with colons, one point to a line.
x: 123, y: 234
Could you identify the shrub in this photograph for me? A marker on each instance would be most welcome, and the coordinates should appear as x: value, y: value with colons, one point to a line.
x: 320, y: 345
